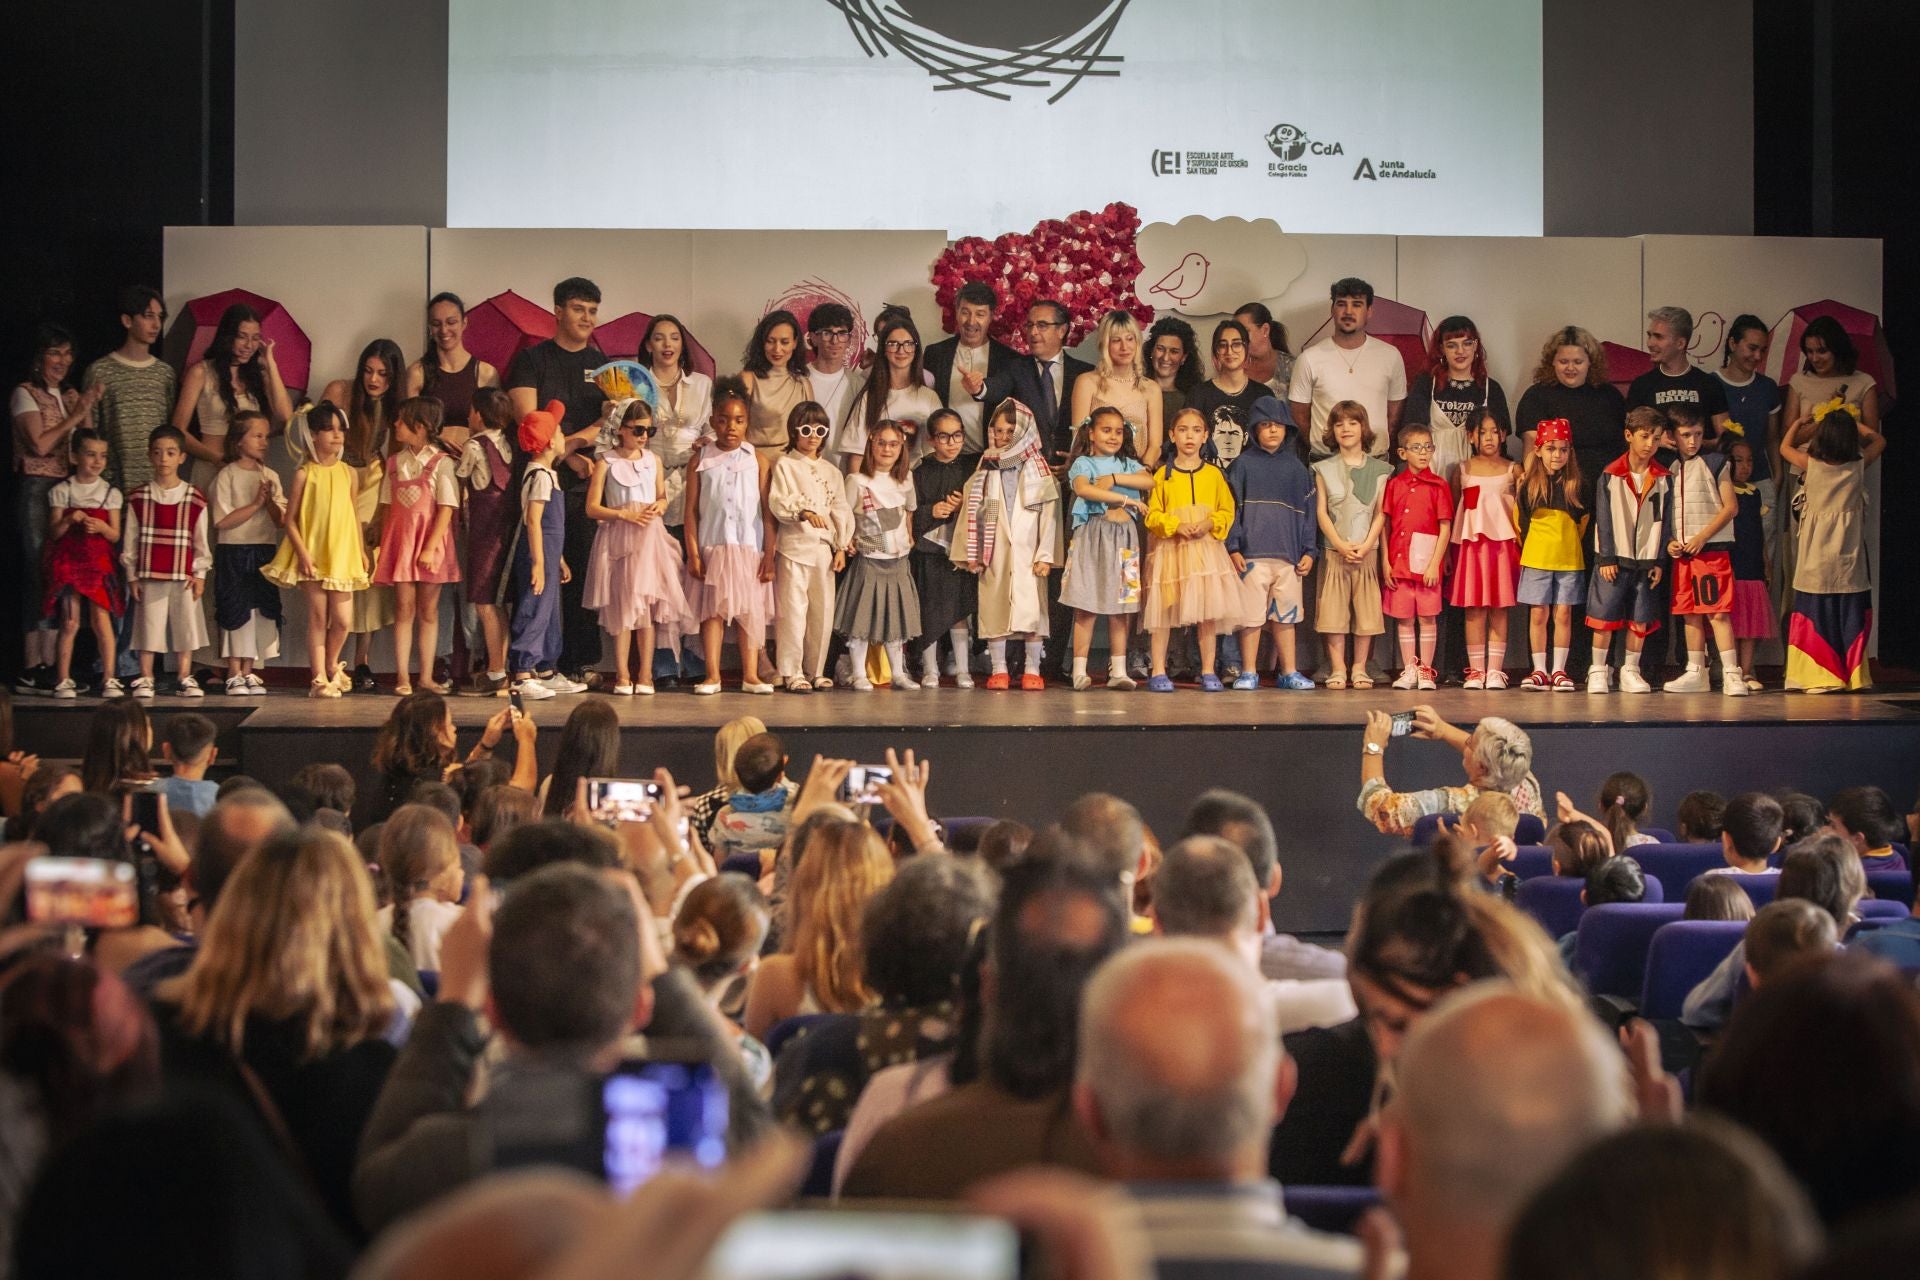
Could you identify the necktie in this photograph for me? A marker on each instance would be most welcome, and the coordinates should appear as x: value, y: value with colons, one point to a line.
x: 1049, y: 402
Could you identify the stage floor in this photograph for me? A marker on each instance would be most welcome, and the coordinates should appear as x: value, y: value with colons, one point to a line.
x: 1025, y: 755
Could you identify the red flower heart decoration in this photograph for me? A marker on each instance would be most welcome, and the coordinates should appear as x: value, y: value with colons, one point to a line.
x: 1088, y: 262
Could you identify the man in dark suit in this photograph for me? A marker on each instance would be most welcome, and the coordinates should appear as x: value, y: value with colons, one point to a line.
x: 1043, y: 381
x: 960, y: 366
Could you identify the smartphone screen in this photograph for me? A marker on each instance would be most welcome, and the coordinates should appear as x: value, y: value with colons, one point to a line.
x: 92, y: 892
x: 863, y: 783
x: 612, y: 801
x: 804, y: 1244
x: 143, y: 810
x: 652, y: 1110
x: 514, y: 701
x: 1402, y: 724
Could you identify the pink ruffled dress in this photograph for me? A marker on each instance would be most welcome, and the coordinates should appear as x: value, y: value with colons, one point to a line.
x: 412, y: 504
x: 732, y: 543
x: 635, y: 573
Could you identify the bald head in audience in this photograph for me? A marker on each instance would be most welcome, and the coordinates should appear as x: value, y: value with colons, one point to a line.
x: 1205, y: 889
x: 1112, y: 830
x: 1180, y: 1075
x: 1496, y: 1092
x: 241, y: 822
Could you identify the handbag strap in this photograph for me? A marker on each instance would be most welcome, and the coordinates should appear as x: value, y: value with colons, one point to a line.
x: 277, y: 1125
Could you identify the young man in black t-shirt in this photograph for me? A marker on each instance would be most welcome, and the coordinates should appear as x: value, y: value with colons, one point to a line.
x: 1674, y: 379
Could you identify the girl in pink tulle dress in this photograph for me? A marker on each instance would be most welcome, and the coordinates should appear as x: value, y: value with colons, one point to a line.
x: 730, y: 541
x: 420, y: 494
x: 634, y: 574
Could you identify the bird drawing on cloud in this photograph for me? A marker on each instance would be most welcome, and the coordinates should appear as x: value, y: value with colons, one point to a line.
x: 1185, y: 281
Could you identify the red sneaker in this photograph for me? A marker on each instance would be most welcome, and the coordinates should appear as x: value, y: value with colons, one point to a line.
x: 999, y: 680
x: 1537, y: 681
x: 1033, y: 681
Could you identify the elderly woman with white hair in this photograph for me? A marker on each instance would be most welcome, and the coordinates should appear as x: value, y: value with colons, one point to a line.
x: 1497, y: 756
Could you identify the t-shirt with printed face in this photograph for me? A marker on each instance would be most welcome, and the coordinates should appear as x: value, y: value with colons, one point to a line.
x: 1227, y: 414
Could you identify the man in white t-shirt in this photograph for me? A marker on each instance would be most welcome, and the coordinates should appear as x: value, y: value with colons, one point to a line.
x: 836, y: 383
x: 1350, y: 365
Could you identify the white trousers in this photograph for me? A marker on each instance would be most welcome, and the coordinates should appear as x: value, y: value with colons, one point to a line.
x: 803, y: 617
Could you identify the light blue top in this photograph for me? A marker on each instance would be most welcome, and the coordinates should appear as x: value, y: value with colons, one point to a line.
x: 1090, y: 467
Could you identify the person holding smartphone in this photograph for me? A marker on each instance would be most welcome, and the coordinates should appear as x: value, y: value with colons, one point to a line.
x: 1496, y: 756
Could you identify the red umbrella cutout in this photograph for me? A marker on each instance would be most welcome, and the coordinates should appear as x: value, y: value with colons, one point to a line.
x: 1404, y: 327
x: 620, y: 339
x: 193, y: 333
x: 1869, y: 340
x: 505, y: 325
x: 1624, y: 364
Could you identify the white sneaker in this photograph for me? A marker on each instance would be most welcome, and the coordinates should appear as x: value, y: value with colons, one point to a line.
x: 707, y: 689
x: 623, y: 690
x: 1734, y: 685
x: 560, y: 684
x: 1408, y: 679
x: 188, y: 687
x: 256, y: 687
x: 1082, y: 681
x: 1692, y: 680
x: 236, y: 686
x: 964, y: 680
x: 112, y: 688
x: 66, y: 689
x: 532, y: 690
x: 143, y: 687
x: 1631, y: 681
x: 861, y: 685
x: 1598, y: 677
x: 903, y: 681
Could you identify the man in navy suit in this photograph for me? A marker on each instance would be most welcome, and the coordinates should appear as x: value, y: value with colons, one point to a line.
x: 961, y: 365
x: 1043, y: 379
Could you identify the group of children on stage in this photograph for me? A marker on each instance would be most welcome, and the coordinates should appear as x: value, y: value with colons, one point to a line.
x: 891, y: 554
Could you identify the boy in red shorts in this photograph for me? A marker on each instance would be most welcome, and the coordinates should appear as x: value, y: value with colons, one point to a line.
x: 1700, y: 540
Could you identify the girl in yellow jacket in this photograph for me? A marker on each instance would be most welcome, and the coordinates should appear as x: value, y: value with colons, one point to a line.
x: 1190, y: 579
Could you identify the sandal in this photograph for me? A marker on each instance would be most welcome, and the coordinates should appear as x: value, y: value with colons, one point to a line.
x: 1361, y: 680
x: 403, y: 690
x: 1338, y: 680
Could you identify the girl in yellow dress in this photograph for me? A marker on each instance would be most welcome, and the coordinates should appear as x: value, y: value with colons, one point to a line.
x: 323, y: 553
x: 1190, y: 577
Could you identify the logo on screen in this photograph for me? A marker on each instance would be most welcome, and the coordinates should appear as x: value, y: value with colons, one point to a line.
x: 1287, y: 141
x: 995, y: 48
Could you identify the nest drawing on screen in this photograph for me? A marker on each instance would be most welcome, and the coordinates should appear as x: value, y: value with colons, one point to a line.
x: 992, y: 47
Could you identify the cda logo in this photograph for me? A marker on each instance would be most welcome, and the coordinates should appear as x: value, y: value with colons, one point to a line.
x: 1288, y: 141
x: 1290, y: 146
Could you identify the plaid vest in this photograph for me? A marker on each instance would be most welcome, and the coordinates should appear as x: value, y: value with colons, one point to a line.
x: 165, y: 540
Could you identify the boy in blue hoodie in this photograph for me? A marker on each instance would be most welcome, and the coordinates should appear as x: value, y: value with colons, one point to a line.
x: 755, y: 818
x: 1274, y: 539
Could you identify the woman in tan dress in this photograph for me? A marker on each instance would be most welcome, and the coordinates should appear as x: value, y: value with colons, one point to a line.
x: 774, y: 367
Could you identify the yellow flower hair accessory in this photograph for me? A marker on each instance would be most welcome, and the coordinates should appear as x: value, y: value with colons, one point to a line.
x: 1835, y: 405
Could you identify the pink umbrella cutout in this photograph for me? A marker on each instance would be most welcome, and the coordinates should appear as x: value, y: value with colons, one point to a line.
x: 292, y: 349
x: 1405, y: 327
x: 505, y: 325
x: 1624, y: 364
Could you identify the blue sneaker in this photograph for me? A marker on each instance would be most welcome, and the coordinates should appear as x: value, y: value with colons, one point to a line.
x: 1162, y: 684
x: 1294, y: 680
x: 1210, y: 683
x: 1247, y: 680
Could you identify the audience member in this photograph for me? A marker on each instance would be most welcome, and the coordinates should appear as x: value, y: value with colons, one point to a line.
x: 321, y: 786
x: 755, y: 818
x: 119, y: 749
x: 1866, y: 818
x: 1802, y: 815
x: 716, y: 939
x: 1576, y: 848
x: 1243, y: 823
x: 1783, y: 932
x: 498, y: 810
x: 1113, y: 831
x: 845, y: 864
x: 1700, y: 815
x: 506, y: 1227
x: 589, y: 748
x: 726, y: 741
x: 1750, y: 833
x: 188, y: 747
x: 1002, y: 844
x: 1624, y: 799
x: 421, y: 858
x: 1618, y: 879
x: 1496, y: 756
x: 1179, y: 1080
x: 1717, y: 897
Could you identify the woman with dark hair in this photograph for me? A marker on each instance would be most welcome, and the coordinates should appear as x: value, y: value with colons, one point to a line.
x: 448, y: 371
x: 1753, y: 399
x: 238, y: 372
x: 589, y: 748
x: 897, y: 390
x: 1452, y: 391
x: 119, y: 749
x: 74, y: 1044
x: 370, y: 402
x: 774, y: 367
x: 686, y: 402
x: 45, y: 414
x: 1173, y: 361
x: 416, y: 745
x: 1829, y: 371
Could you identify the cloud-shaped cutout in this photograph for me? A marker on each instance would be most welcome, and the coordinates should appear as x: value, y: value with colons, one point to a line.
x: 1208, y: 266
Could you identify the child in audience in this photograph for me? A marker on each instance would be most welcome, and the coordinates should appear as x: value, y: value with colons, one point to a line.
x: 1700, y: 542
x: 166, y: 556
x: 1577, y: 847
x: 1419, y: 519
x: 1630, y: 548
x: 486, y: 464
x: 808, y: 497
x: 949, y: 595
x: 1486, y: 542
x: 421, y: 857
x: 755, y: 818
x: 326, y: 786
x: 1190, y: 579
x: 1010, y: 539
x: 1802, y: 815
x: 1275, y: 539
x: 1717, y: 898
x: 535, y: 641
x: 1624, y: 798
x: 323, y: 553
x: 730, y: 541
x: 1487, y: 827
x: 878, y: 604
x: 1351, y: 488
x: 635, y: 571
x: 1700, y: 815
x: 1553, y: 565
x: 1750, y: 833
x: 499, y: 809
x: 1782, y: 932
x: 419, y: 496
x: 1103, y: 564
x: 188, y: 746
x: 1865, y: 817
x: 1753, y: 619
x: 249, y: 511
x: 1612, y: 879
x: 81, y: 576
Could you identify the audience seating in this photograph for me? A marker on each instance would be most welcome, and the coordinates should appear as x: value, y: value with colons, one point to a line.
x: 1530, y: 831
x: 1660, y: 834
x: 1610, y: 953
x: 826, y: 1151
x: 1891, y: 886
x: 745, y: 864
x: 1674, y: 865
x: 1555, y: 902
x: 1531, y: 860
x: 787, y: 1028
x: 1881, y: 909
x: 1327, y: 1208
x: 1679, y: 957
x: 965, y: 831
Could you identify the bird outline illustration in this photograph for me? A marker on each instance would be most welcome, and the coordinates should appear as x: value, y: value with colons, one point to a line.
x: 1185, y: 281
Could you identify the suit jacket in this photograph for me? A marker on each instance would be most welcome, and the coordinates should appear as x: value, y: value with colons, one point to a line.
x: 936, y: 1150
x: 939, y: 358
x: 1022, y: 383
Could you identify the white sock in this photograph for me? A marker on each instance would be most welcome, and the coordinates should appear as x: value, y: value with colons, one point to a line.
x: 1496, y: 657
x: 857, y: 655
x: 1631, y: 662
x: 1036, y: 653
x: 997, y: 651
x: 1079, y: 667
x: 897, y: 658
x: 1696, y: 659
x: 1559, y: 659
x: 1540, y: 661
x: 930, y: 660
x: 961, y: 643
x: 496, y: 675
x: 1116, y: 666
x: 1729, y: 661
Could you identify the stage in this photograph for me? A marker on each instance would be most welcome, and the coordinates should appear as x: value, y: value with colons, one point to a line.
x: 1022, y: 755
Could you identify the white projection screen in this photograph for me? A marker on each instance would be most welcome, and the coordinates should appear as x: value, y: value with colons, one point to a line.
x: 985, y: 116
